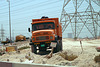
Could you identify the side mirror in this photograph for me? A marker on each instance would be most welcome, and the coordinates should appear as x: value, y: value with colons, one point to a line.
x: 28, y: 29
x: 57, y: 26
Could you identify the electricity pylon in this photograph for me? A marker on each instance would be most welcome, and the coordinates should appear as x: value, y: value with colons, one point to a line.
x: 88, y: 18
x: 2, y: 33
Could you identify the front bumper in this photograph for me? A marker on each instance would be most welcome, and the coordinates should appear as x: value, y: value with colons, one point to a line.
x: 40, y: 38
x: 38, y: 43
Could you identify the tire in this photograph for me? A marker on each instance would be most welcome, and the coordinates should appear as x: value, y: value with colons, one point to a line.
x: 33, y: 48
x: 16, y: 41
x: 57, y: 49
x: 61, y: 45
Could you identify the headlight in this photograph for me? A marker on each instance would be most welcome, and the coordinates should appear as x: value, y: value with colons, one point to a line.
x: 33, y: 39
x: 51, y: 37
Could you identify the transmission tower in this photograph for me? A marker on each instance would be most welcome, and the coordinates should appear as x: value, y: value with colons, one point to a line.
x: 88, y: 18
x: 2, y: 32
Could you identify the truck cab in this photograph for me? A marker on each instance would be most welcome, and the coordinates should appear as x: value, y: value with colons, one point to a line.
x: 44, y: 32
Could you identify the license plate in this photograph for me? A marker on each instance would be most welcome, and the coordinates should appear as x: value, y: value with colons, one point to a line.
x: 53, y: 44
x: 42, y: 45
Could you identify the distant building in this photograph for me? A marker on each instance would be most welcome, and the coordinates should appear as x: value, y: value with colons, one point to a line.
x: 70, y: 35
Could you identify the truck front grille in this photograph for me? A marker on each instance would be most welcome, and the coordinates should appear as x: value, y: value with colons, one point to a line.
x: 42, y: 38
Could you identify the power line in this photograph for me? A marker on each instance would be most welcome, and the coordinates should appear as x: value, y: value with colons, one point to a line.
x: 29, y: 5
x: 44, y: 9
x: 34, y: 6
x: 5, y: 6
x: 33, y: 15
x: 38, y: 5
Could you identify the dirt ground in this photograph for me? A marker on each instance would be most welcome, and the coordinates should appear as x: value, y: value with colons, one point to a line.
x: 84, y: 58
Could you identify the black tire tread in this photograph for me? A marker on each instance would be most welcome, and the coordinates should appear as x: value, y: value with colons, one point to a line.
x: 33, y: 48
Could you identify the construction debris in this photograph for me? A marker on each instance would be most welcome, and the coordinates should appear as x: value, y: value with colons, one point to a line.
x: 11, y: 48
x: 98, y: 49
x: 50, y: 55
x: 97, y: 59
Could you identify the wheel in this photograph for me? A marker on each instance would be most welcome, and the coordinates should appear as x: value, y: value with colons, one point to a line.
x: 57, y: 48
x: 33, y: 48
x: 60, y: 45
x: 16, y: 41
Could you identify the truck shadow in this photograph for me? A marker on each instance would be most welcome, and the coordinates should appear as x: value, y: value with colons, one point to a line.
x: 43, y: 52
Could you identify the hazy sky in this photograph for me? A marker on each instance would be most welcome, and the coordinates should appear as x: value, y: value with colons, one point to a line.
x: 23, y: 11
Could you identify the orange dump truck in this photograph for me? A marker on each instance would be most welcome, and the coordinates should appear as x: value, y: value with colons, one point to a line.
x: 20, y: 38
x: 46, y: 31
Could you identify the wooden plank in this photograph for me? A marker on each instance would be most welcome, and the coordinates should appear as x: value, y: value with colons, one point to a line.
x: 11, y: 48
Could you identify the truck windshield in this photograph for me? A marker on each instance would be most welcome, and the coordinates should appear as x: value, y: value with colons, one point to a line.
x: 41, y: 26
